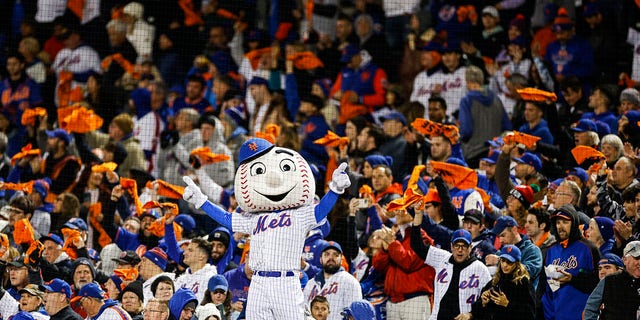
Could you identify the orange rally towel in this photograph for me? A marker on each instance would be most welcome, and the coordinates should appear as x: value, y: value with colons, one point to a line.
x: 458, y: 176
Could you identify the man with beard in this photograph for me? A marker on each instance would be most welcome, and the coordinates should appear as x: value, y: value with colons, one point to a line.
x: 57, y: 164
x: 575, y: 260
x: 334, y: 283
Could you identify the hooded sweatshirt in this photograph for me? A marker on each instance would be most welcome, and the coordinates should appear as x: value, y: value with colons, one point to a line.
x: 180, y: 299
x: 482, y: 117
x: 580, y: 258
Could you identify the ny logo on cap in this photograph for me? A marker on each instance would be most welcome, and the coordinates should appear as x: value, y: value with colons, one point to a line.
x: 509, y: 249
x: 253, y: 146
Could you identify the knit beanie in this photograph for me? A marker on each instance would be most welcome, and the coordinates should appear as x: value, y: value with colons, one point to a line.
x: 524, y: 194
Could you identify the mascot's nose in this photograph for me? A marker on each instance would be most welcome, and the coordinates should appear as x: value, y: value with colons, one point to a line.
x: 274, y: 179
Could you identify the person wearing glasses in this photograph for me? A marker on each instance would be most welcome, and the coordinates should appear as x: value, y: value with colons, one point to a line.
x: 97, y: 306
x: 156, y: 310
x: 471, y: 275
x: 183, y: 304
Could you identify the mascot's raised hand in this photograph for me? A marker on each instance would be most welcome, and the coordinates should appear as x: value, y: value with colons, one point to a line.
x: 192, y: 193
x: 340, y: 179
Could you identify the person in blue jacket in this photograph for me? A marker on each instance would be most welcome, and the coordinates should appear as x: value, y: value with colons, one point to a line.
x: 566, y: 296
x: 182, y: 304
x: 569, y: 55
x: 536, y: 125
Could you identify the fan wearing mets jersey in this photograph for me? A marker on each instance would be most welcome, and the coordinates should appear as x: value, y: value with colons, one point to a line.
x: 274, y: 189
x: 460, y: 277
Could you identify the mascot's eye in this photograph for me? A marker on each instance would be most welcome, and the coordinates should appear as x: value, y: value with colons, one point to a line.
x: 287, y: 165
x: 258, y: 168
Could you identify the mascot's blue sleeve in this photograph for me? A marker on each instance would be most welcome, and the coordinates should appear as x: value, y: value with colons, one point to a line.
x: 324, y: 207
x: 173, y: 250
x: 218, y: 214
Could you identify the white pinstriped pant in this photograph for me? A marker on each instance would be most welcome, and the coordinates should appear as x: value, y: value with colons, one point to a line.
x: 275, y: 298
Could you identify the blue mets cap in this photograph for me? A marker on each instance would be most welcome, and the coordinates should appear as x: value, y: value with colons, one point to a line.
x: 253, y: 148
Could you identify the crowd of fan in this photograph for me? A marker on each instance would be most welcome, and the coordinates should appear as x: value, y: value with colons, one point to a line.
x: 426, y: 89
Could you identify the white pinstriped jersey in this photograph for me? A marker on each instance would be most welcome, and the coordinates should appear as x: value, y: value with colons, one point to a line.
x: 472, y: 279
x: 453, y: 88
x: 340, y: 290
x: 197, y: 281
x: 282, y: 233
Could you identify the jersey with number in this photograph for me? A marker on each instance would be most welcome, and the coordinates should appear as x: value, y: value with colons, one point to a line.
x: 281, y: 232
x: 340, y: 290
x: 471, y: 281
x: 197, y: 281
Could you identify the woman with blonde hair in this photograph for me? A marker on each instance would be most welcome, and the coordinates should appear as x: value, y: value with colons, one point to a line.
x: 510, y: 294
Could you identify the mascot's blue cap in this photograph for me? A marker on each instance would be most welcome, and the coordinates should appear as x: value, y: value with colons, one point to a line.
x: 252, y: 149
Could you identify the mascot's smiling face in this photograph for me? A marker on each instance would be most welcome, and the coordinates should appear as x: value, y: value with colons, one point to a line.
x: 272, y: 179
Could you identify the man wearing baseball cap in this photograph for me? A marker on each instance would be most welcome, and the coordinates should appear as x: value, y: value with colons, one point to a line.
x: 94, y: 301
x: 579, y: 277
x: 506, y: 229
x: 618, y: 292
x: 333, y: 278
x: 54, y: 262
x: 482, y: 240
x: 451, y: 299
x: 57, y: 293
x: 60, y: 166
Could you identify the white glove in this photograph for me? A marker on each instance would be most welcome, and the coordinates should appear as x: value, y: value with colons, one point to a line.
x: 340, y: 179
x: 192, y: 193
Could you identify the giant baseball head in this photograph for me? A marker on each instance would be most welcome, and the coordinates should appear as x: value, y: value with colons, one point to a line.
x: 271, y: 178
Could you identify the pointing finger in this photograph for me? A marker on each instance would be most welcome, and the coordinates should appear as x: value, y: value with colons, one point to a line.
x: 189, y: 181
x: 342, y: 167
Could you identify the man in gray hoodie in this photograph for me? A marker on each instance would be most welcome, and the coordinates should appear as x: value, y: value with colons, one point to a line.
x: 482, y: 117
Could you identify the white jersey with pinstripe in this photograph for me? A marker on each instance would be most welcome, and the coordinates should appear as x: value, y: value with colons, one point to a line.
x: 472, y: 279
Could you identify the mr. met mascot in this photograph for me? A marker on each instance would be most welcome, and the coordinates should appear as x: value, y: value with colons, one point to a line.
x: 274, y: 188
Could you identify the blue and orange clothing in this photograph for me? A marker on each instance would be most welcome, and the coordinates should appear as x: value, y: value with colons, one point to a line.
x: 18, y: 96
x: 367, y: 82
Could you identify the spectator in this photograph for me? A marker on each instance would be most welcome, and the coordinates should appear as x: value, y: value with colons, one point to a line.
x: 615, y: 291
x: 408, y: 281
x: 220, y: 172
x: 482, y: 240
x: 140, y: 34
x: 603, y: 38
x: 333, y: 277
x: 76, y: 61
x: 566, y: 294
x: 157, y: 308
x: 359, y: 310
x: 132, y: 299
x: 194, y: 98
x: 452, y: 301
x: 121, y: 131
x: 536, y: 125
x: 612, y: 148
x: 57, y: 294
x: 117, y: 31
x: 54, y: 262
x: 506, y: 229
x: 19, y: 93
x: 152, y: 266
x: 629, y: 100
x: 448, y: 82
x: 623, y: 175
x: 95, y: 302
x: 163, y: 288
x: 173, y: 159
x: 217, y: 296
x: 35, y: 67
x: 394, y: 125
x: 374, y: 43
x: 366, y: 91
x: 600, y: 233
x: 482, y: 117
x: 320, y: 308
x: 493, y: 35
x: 569, y: 55
x: 510, y: 292
x: 601, y: 101
x: 196, y: 258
